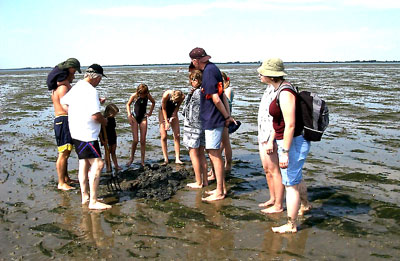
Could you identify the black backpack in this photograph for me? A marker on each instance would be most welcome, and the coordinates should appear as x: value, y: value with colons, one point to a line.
x: 314, y: 111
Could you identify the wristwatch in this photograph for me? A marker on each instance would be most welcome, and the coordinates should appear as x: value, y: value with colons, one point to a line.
x: 285, y: 151
x: 227, y: 117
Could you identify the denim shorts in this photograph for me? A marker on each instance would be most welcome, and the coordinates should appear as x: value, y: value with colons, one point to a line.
x: 298, y: 152
x: 214, y: 138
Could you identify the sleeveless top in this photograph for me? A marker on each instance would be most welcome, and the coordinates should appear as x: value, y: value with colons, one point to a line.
x: 279, y: 124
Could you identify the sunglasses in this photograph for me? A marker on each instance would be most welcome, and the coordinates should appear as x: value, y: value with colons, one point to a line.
x: 193, y: 79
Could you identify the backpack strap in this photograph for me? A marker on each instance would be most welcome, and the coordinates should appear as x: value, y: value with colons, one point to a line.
x: 281, y: 88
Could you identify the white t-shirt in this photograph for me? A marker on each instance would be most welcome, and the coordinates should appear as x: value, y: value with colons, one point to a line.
x: 264, y: 118
x: 83, y: 102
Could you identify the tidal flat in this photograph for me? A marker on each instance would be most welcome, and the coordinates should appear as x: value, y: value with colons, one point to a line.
x: 353, y: 175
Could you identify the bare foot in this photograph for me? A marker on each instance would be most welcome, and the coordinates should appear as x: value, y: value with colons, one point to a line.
x: 85, y: 201
x: 71, y: 181
x: 268, y: 203
x: 287, y: 228
x: 211, y: 192
x: 165, y: 163
x: 210, y: 175
x: 213, y: 197
x: 194, y: 185
x: 129, y: 162
x: 272, y: 210
x: 118, y: 168
x: 98, y: 206
x: 64, y: 187
x: 178, y: 161
x: 303, y: 209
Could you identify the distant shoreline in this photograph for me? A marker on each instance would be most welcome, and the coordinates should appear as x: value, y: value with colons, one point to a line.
x: 227, y: 63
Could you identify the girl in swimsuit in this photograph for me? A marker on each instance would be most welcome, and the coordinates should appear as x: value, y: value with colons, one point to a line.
x: 138, y: 119
x: 168, y: 117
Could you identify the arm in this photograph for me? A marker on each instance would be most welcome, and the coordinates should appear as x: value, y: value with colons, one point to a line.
x: 164, y: 100
x: 153, y: 104
x: 222, y: 108
x: 270, y: 142
x: 288, y: 107
x: 99, y: 118
x: 128, y: 108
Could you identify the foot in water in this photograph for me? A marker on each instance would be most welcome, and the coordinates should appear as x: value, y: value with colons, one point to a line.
x: 287, y: 228
x: 129, y: 163
x: 194, y: 185
x: 272, y: 210
x: 98, y: 206
x: 268, y: 203
x: 304, y: 208
x: 211, y: 192
x: 64, y: 187
x: 214, y: 197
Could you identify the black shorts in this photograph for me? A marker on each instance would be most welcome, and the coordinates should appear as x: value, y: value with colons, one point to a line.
x: 61, y: 131
x: 87, y: 149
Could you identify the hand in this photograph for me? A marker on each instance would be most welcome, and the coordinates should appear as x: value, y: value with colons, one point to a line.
x: 270, y: 147
x: 130, y: 119
x: 148, y: 114
x: 102, y: 100
x: 171, y: 119
x: 167, y: 125
x: 284, y: 160
x: 229, y: 120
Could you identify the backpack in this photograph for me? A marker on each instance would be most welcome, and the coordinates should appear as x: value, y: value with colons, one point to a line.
x: 314, y: 112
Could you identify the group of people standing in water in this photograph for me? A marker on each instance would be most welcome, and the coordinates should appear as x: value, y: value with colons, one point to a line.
x: 207, y: 124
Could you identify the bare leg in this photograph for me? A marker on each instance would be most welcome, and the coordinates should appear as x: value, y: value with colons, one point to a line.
x: 143, y: 133
x: 292, y: 204
x: 163, y: 134
x: 197, y: 167
x: 134, y: 129
x: 113, y: 149
x: 62, y: 170
x: 226, y: 146
x: 84, y: 166
x: 305, y: 204
x: 203, y: 164
x: 94, y: 178
x: 270, y: 164
x: 217, y: 161
x: 177, y: 137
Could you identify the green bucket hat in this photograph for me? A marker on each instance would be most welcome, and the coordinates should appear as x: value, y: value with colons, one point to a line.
x: 272, y: 67
x: 70, y: 63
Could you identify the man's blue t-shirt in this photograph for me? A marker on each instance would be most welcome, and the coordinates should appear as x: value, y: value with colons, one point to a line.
x: 211, y: 117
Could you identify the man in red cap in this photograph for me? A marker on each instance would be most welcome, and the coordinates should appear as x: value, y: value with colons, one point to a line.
x: 215, y: 116
x: 59, y: 82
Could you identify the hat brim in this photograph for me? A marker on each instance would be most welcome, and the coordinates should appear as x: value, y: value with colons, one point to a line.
x: 270, y: 73
x: 204, y: 59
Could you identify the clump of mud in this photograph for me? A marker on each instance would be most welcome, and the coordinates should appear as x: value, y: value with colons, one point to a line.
x: 149, y: 182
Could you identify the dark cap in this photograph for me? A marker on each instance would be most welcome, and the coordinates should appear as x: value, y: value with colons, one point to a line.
x: 199, y: 54
x: 70, y: 63
x: 96, y: 68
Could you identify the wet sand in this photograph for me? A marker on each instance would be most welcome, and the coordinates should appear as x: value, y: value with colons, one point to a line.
x: 353, y: 176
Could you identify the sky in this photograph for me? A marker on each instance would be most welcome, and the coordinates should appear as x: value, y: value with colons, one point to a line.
x: 130, y: 32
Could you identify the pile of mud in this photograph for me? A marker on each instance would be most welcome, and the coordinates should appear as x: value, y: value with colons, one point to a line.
x: 149, y: 182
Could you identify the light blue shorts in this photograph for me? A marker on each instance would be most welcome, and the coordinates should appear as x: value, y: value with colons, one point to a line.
x: 298, y: 152
x: 214, y: 138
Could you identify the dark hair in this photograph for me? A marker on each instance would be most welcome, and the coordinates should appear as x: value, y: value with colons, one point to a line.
x: 277, y: 78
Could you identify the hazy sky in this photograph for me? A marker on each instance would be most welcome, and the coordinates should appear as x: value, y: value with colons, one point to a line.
x: 44, y: 33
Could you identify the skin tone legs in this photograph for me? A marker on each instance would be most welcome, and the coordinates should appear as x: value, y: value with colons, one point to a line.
x: 89, y: 182
x: 62, y: 170
x: 199, y: 163
x: 143, y: 132
x: 218, y: 163
x: 292, y: 204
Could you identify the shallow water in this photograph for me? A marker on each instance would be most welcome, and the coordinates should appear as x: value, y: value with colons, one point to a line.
x: 353, y: 176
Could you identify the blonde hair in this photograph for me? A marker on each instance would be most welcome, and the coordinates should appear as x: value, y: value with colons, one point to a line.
x: 142, y: 88
x: 196, y: 74
x: 110, y: 109
x: 177, y: 96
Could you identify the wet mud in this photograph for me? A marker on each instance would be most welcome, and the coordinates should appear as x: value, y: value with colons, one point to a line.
x: 353, y: 177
